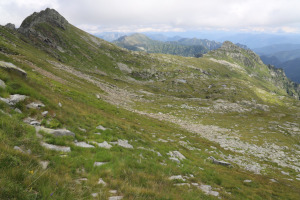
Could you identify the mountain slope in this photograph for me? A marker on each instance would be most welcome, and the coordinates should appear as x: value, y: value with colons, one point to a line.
x: 149, y: 126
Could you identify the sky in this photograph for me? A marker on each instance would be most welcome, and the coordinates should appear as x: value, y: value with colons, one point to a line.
x: 96, y: 16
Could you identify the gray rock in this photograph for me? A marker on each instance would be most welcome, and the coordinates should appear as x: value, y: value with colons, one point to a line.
x: 56, y: 132
x: 104, y: 145
x: 18, y: 149
x: 31, y: 121
x: 59, y: 104
x: 2, y: 84
x: 78, y: 181
x: 101, y: 182
x: 35, y: 123
x: 13, y: 99
x: 176, y: 155
x: 182, y: 184
x: 95, y: 194
x: 44, y: 164
x: 115, y: 198
x: 124, y: 143
x: 10, y: 26
x: 35, y: 105
x: 113, y: 191
x: 219, y: 162
x: 45, y: 16
x: 97, y: 164
x: 55, y: 147
x: 208, y: 190
x: 285, y: 173
x: 12, y: 68
x: 247, y: 181
x: 101, y: 128
x: 178, y: 177
x: 84, y: 145
x: 18, y: 110
x: 45, y: 113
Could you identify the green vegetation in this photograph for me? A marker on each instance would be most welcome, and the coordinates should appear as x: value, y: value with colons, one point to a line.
x: 159, y: 102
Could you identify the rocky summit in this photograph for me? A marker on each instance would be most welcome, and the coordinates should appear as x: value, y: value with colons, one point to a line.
x: 81, y: 118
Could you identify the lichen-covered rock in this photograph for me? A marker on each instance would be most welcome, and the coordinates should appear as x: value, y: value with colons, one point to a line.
x: 35, y: 105
x: 55, y: 147
x: 56, y: 132
x: 13, y: 99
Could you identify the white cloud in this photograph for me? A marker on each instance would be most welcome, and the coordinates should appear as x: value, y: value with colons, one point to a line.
x: 165, y: 15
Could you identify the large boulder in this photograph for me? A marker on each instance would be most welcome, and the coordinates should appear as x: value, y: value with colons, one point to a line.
x: 56, y: 132
x: 12, y: 68
x: 13, y: 99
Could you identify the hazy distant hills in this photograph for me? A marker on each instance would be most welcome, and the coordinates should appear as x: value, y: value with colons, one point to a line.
x: 286, y: 56
x: 191, y: 47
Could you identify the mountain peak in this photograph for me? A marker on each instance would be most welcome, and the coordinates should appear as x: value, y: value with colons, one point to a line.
x: 48, y: 15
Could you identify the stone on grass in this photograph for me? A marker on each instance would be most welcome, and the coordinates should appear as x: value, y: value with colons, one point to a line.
x: 97, y: 133
x: 18, y: 110
x: 219, y: 162
x: 177, y: 177
x: 80, y: 180
x: 97, y: 164
x: 55, y: 147
x: 285, y: 173
x: 176, y: 156
x: 18, y: 149
x: 35, y: 105
x: 45, y: 113
x: 95, y: 194
x: 84, y: 145
x: 113, y: 191
x: 104, y: 145
x: 59, y: 104
x: 115, y: 198
x: 44, y: 164
x: 247, y: 181
x: 12, y: 68
x: 56, y: 132
x: 101, y: 182
x: 182, y: 184
x: 82, y: 129
x: 208, y: 190
x: 101, y: 128
x: 124, y: 143
x: 13, y: 99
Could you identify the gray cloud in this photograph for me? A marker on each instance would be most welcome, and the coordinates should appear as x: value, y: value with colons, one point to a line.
x: 165, y: 15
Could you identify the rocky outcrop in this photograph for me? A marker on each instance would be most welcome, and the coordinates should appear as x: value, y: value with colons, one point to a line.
x: 56, y: 132
x: 49, y: 16
x: 10, y: 26
x: 12, y: 68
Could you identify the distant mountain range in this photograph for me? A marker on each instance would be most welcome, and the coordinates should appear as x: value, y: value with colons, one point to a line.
x: 190, y: 47
x: 183, y: 47
x: 286, y: 56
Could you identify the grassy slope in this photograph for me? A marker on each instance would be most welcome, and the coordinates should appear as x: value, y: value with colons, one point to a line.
x: 133, y: 176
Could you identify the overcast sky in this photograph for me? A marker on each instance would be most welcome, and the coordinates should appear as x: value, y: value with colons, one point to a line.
x: 97, y: 16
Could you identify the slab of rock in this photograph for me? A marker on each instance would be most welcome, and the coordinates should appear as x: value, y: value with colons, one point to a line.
x: 124, y: 143
x: 31, y: 121
x: 115, y: 198
x: 219, y: 162
x: 97, y: 164
x: 177, y: 177
x: 82, y: 129
x: 55, y: 147
x: 95, y: 194
x: 35, y: 105
x: 84, y: 145
x: 14, y: 99
x: 18, y: 110
x: 247, y: 181
x: 101, y: 128
x: 56, y: 132
x: 176, y: 156
x: 285, y: 173
x: 12, y: 68
x: 2, y: 84
x: 113, y: 191
x: 104, y: 145
x: 182, y: 184
x: 208, y: 190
